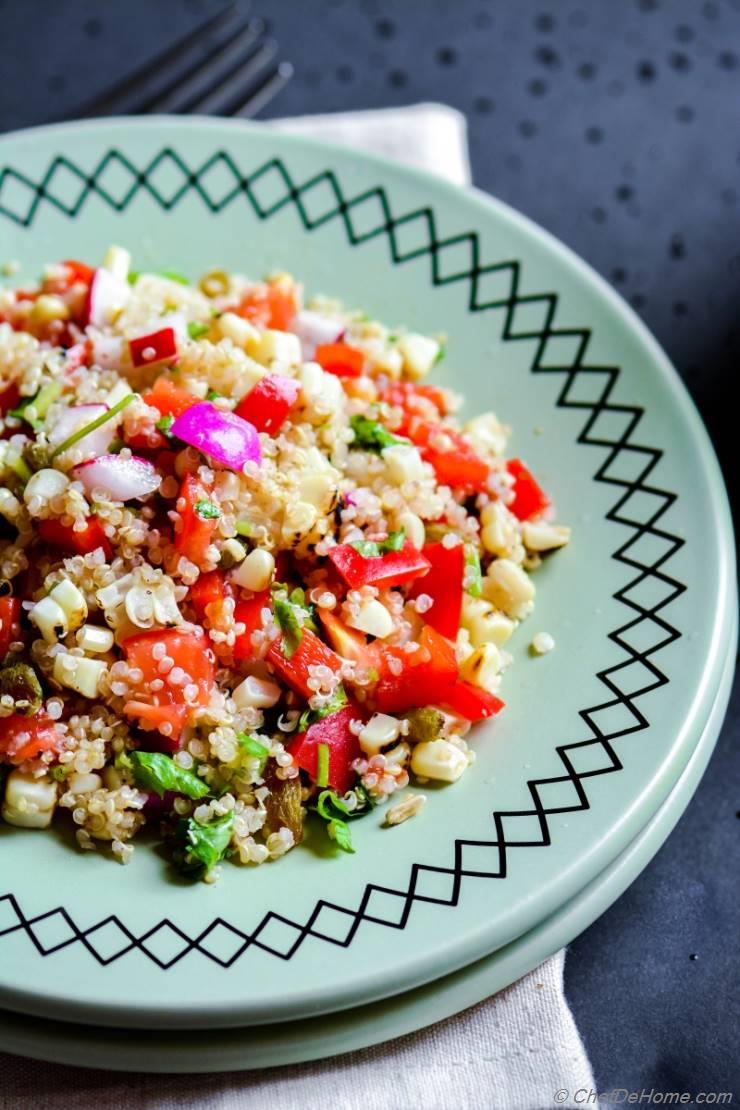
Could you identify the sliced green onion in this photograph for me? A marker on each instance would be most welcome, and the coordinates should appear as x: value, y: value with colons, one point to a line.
x: 322, y: 765
x: 46, y: 397
x: 97, y: 423
x: 472, y: 572
x: 196, y: 330
x: 243, y: 528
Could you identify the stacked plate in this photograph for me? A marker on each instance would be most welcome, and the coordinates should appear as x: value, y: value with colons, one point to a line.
x: 603, y: 741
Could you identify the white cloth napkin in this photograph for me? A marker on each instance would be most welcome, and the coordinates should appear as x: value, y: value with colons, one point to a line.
x: 515, y: 1051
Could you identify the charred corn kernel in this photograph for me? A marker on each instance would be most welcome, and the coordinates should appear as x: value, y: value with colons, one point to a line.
x: 483, y: 624
x: 509, y: 588
x: 373, y: 619
x: 413, y: 527
x: 79, y: 673
x: 482, y: 668
x: 83, y: 784
x: 47, y: 308
x: 118, y: 261
x: 499, y: 531
x: 46, y: 483
x: 407, y: 807
x: 389, y: 361
x: 94, y: 639
x: 419, y: 353
x: 380, y: 731
x: 277, y: 346
x: 255, y: 571
x: 439, y: 760
x: 256, y: 693
x: 232, y: 553
x: 298, y: 521
x: 463, y: 647
x: 403, y: 463
x: 317, y: 490
x: 50, y: 619
x: 487, y: 433
x: 541, y: 536
x: 72, y: 601
x: 29, y: 802
x: 240, y: 332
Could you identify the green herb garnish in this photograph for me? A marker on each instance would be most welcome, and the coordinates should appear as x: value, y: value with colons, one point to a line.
x: 253, y: 748
x: 206, y: 510
x: 371, y: 435
x: 213, y: 395
x: 472, y: 571
x: 369, y: 549
x: 196, y: 330
x: 243, y: 528
x: 336, y: 812
x: 41, y: 404
x: 97, y: 423
x: 173, y: 275
x: 158, y: 772
x: 198, y: 848
x: 289, y: 624
x: 165, y: 423
x: 310, y: 716
x: 60, y: 772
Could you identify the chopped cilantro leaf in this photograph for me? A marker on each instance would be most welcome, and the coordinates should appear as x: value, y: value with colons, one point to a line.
x: 287, y: 621
x: 369, y: 549
x: 310, y: 716
x: 206, y: 510
x: 253, y: 748
x: 198, y: 848
x: 196, y: 329
x: 339, y: 831
x: 243, y: 528
x: 158, y: 772
x: 371, y: 435
x: 212, y: 395
x: 165, y: 423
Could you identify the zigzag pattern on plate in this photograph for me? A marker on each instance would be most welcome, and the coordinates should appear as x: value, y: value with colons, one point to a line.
x: 628, y: 466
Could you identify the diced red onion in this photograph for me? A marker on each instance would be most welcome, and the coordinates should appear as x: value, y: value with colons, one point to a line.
x: 106, y: 294
x: 313, y: 329
x: 77, y: 416
x: 226, y: 437
x: 123, y: 479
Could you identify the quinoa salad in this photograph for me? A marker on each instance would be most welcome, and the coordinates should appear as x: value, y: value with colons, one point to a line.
x: 256, y: 578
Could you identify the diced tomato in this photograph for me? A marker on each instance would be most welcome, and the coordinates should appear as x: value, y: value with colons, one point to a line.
x: 415, y: 398
x: 343, y: 745
x: 10, y: 625
x: 391, y: 569
x: 157, y: 346
x: 340, y: 359
x: 471, y: 702
x: 249, y: 613
x: 267, y: 405
x: 23, y: 738
x: 349, y: 643
x: 67, y: 539
x: 459, y: 467
x: 189, y: 651
x: 9, y: 398
x: 426, y: 676
x: 210, y: 588
x: 444, y: 584
x: 78, y: 271
x: 168, y: 398
x: 530, y: 500
x: 196, y: 533
x: 270, y: 306
x: 310, y: 652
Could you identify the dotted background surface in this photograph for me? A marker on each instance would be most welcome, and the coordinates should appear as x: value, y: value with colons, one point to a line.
x: 614, y: 124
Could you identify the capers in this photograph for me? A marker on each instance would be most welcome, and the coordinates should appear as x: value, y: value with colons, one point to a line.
x: 424, y: 724
x: 283, y: 804
x: 20, y: 681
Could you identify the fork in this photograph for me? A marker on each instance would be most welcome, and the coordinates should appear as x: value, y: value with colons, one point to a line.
x: 226, y: 66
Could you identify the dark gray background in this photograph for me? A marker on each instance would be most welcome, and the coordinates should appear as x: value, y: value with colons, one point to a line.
x: 616, y: 125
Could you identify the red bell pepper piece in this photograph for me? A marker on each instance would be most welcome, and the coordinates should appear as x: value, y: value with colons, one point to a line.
x: 23, y: 738
x: 415, y: 398
x: 249, y: 613
x: 10, y: 625
x: 343, y: 745
x: 426, y: 677
x: 157, y: 346
x: 471, y: 702
x: 269, y: 306
x: 349, y: 643
x: 391, y: 569
x: 197, y: 531
x: 209, y: 589
x: 78, y: 271
x: 310, y: 652
x: 168, y: 398
x: 267, y: 405
x: 444, y: 584
x: 530, y: 500
x: 340, y: 359
x: 188, y: 648
x: 66, y: 538
x: 460, y: 467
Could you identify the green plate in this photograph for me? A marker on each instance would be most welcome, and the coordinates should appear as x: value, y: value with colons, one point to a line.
x: 350, y: 1030
x: 594, y: 736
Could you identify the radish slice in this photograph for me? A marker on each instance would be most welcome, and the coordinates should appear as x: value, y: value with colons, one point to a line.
x: 313, y: 329
x: 77, y: 416
x: 226, y: 437
x: 107, y: 352
x: 122, y: 479
x: 106, y: 295
x: 155, y: 347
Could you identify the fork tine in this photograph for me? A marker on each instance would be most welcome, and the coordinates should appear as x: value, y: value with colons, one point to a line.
x: 203, y: 78
x: 132, y: 92
x: 266, y: 92
x: 223, y: 95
